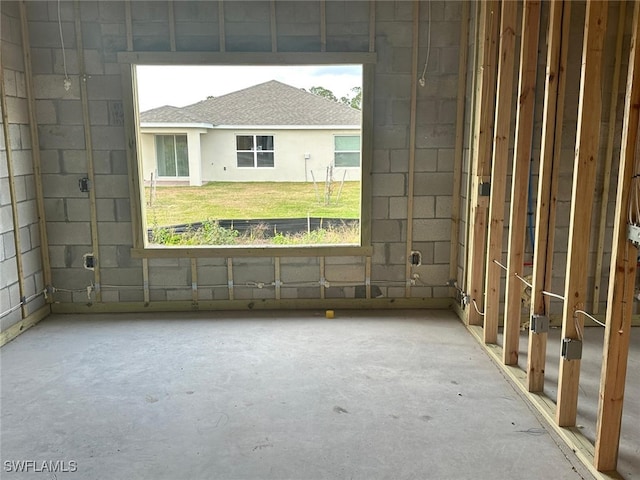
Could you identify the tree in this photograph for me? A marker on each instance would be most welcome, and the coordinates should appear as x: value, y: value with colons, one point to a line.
x: 323, y: 92
x: 353, y: 101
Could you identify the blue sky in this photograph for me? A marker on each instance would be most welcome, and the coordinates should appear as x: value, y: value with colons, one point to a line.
x: 184, y: 85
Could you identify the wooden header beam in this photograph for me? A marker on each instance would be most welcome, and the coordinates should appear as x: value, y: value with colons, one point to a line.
x: 584, y: 176
x: 622, y: 276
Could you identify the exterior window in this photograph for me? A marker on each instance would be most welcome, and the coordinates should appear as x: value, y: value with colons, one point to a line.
x: 172, y: 156
x: 254, y: 151
x: 347, y: 151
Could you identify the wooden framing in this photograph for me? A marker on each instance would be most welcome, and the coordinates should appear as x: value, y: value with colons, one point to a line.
x: 35, y: 148
x: 145, y: 280
x: 23, y: 325
x: 622, y: 275
x: 501, y: 140
x: 372, y: 25
x: 323, y: 26
x: 367, y: 277
x: 230, y: 277
x: 458, y: 157
x: 322, y: 278
x: 277, y: 277
x: 12, y: 192
x: 172, y: 25
x: 412, y: 143
x: 520, y: 177
x: 587, y: 139
x: 482, y: 135
x: 608, y: 159
x: 273, y: 26
x: 84, y: 100
x: 128, y: 24
x: 552, y: 116
x: 222, y: 37
x: 194, y: 280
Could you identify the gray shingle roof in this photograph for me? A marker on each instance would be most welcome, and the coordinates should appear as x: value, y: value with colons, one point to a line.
x: 168, y: 114
x: 269, y: 103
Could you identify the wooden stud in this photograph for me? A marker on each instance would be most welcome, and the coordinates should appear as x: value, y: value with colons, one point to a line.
x: 230, y: 277
x: 221, y: 32
x: 368, y: 71
x: 277, y: 277
x: 194, y: 280
x: 520, y: 177
x: 322, y: 278
x: 482, y: 135
x: 172, y: 25
x: 129, y: 25
x: 553, y: 113
x: 622, y: 275
x: 273, y: 23
x: 458, y: 156
x: 367, y: 276
x: 412, y: 143
x: 501, y: 141
x: 608, y: 159
x: 84, y: 99
x: 12, y: 193
x: 145, y: 280
x: 131, y: 121
x: 472, y: 161
x: 35, y: 148
x: 323, y: 26
x: 372, y: 25
x: 587, y: 139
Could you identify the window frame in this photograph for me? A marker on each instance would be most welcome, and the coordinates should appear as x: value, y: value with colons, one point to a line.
x: 255, y: 150
x: 359, y: 151
x: 128, y: 62
x: 175, y: 152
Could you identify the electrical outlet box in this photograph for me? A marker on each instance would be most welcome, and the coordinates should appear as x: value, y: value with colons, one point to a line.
x: 571, y: 349
x: 415, y: 259
x: 539, y: 323
x: 485, y: 189
x: 633, y: 234
x: 83, y: 184
x: 89, y: 261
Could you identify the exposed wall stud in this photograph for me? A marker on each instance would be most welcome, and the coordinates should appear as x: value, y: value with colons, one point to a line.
x: 622, y: 275
x: 520, y: 177
x: 12, y: 192
x: 552, y: 116
x: 35, y: 148
x: 501, y: 141
x: 230, y: 277
x: 587, y: 139
x: 412, y: 141
x: 84, y: 100
x: 458, y: 156
x: 482, y: 136
x: 608, y: 159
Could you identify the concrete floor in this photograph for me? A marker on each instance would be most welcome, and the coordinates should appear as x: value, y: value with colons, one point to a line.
x: 403, y: 394
x: 590, y: 369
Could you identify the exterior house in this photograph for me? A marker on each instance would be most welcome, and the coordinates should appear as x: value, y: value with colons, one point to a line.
x: 268, y: 132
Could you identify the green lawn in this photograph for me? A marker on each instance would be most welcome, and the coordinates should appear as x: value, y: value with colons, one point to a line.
x: 222, y: 200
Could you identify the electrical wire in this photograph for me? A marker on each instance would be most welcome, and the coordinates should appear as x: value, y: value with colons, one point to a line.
x: 23, y: 302
x: 500, y: 265
x: 523, y: 280
x: 475, y: 305
x: 551, y: 294
x: 67, y: 80
x: 422, y: 80
x: 591, y: 317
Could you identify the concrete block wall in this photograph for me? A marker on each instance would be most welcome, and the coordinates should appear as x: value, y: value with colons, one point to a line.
x: 61, y: 128
x: 26, y: 222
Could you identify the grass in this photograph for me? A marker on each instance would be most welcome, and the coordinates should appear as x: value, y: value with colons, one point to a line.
x: 246, y: 200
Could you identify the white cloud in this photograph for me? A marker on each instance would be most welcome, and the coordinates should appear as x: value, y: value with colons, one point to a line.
x: 184, y: 85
